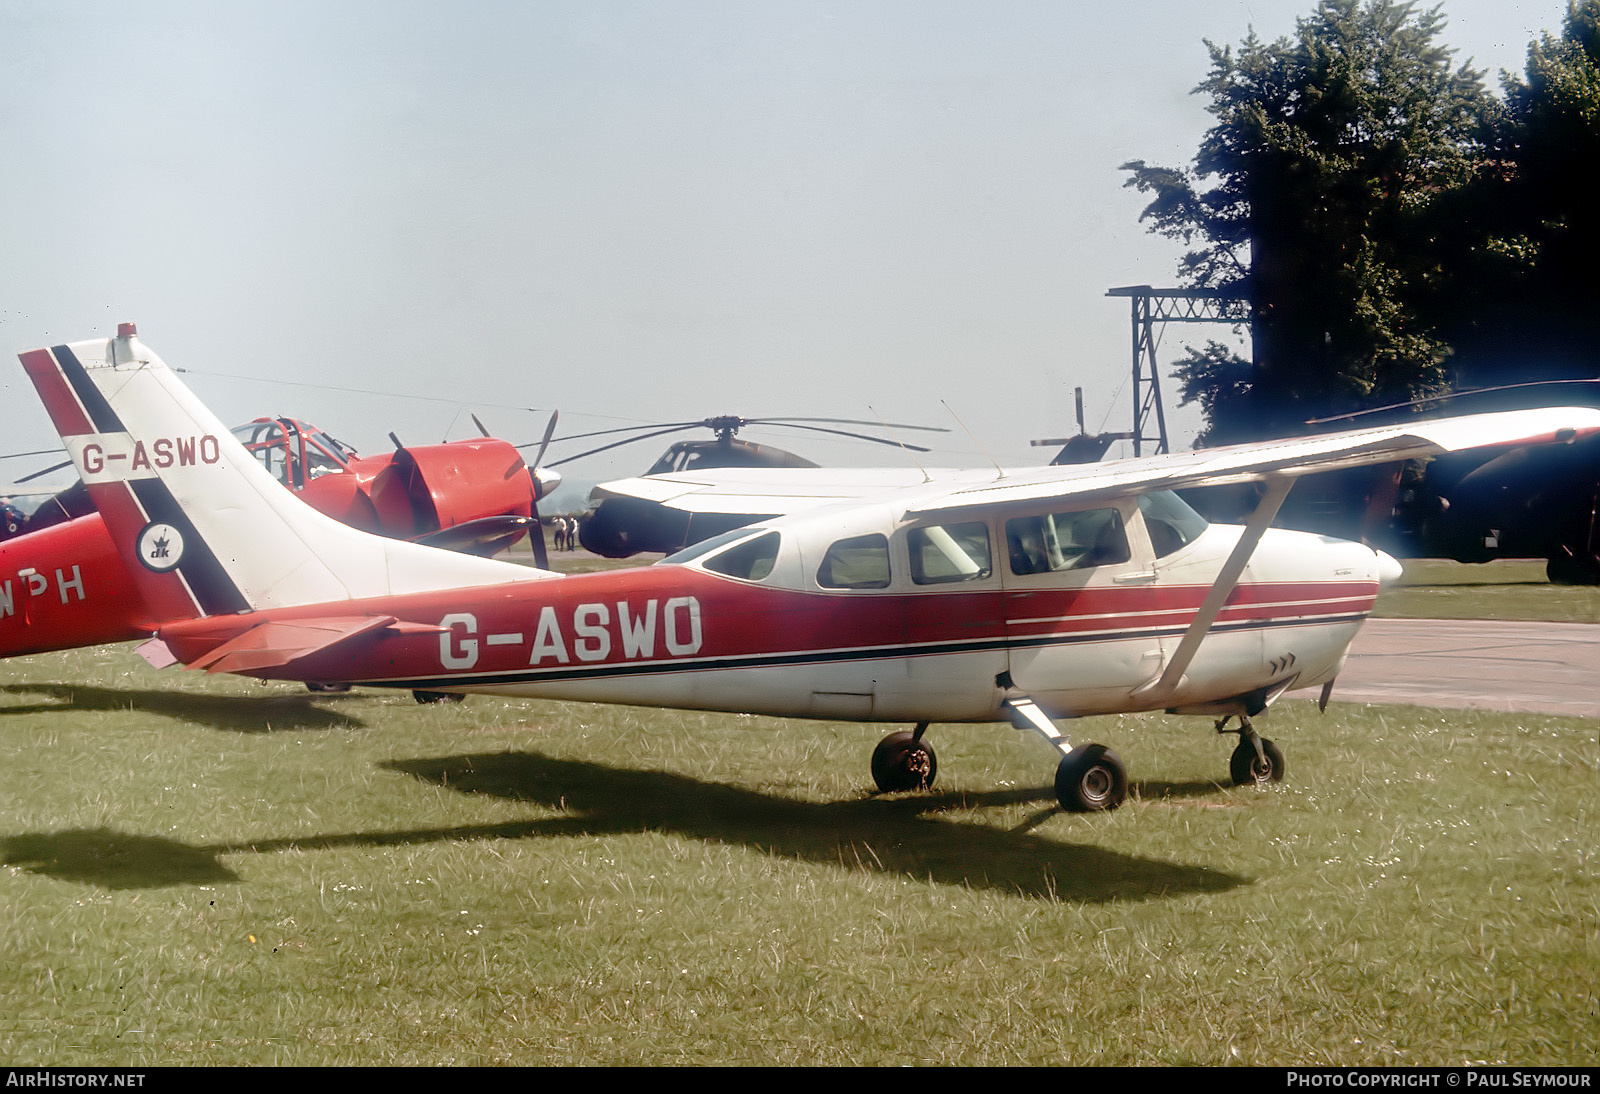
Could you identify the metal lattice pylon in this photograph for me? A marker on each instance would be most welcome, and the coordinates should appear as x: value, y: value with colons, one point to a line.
x: 1150, y: 307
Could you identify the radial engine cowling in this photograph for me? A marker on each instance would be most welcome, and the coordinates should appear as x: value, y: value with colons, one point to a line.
x: 439, y: 486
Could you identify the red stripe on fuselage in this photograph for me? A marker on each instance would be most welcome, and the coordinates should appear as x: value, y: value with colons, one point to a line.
x: 1068, y: 611
x: 579, y: 622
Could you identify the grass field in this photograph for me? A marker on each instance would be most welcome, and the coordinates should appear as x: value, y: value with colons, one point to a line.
x: 212, y: 871
x: 1504, y: 589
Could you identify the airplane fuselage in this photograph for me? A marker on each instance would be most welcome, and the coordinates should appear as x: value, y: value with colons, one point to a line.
x: 65, y: 586
x: 679, y: 635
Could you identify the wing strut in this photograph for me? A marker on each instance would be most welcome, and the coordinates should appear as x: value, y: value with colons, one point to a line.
x: 1227, y: 578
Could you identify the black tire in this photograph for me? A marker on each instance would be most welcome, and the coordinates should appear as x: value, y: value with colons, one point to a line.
x: 331, y: 689
x: 437, y: 696
x: 1091, y: 779
x: 1248, y: 770
x: 901, y: 762
x: 1563, y: 570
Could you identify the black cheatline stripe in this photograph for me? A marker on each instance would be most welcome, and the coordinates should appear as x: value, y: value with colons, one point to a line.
x: 788, y: 660
x: 101, y: 416
x: 212, y: 586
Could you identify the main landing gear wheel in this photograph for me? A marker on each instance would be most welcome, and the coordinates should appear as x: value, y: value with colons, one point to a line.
x: 1091, y: 779
x: 437, y: 696
x: 904, y: 761
x: 1249, y: 769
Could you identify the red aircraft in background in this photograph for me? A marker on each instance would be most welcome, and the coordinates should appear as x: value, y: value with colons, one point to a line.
x: 62, y: 577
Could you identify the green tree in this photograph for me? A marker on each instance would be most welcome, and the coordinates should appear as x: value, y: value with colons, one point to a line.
x: 1523, y: 307
x: 1314, y: 194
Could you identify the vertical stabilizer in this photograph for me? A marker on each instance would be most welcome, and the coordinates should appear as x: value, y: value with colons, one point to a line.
x: 202, y: 526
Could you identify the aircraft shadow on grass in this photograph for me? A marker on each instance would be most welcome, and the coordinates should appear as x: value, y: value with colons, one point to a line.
x: 898, y: 835
x: 878, y: 835
x: 233, y: 713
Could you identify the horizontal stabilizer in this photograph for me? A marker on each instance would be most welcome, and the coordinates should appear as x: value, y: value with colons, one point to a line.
x: 274, y: 644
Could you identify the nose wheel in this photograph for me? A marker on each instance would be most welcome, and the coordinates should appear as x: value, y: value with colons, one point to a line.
x: 1256, y: 761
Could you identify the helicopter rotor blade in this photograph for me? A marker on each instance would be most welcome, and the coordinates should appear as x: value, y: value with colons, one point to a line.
x: 619, y: 444
x: 848, y: 421
x: 857, y: 436
x: 623, y: 429
x: 46, y: 471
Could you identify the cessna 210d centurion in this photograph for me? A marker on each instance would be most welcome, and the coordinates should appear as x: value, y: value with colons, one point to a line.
x: 1052, y: 593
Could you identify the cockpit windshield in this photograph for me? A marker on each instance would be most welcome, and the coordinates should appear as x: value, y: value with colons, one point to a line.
x: 291, y: 454
x: 1170, y: 521
x: 706, y: 546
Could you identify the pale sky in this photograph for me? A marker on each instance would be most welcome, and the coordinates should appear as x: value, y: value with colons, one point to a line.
x: 629, y: 211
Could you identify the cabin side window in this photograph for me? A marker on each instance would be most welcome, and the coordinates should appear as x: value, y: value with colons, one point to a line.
x: 1053, y: 542
x: 860, y: 562
x: 949, y: 552
x: 751, y: 560
x: 1170, y: 521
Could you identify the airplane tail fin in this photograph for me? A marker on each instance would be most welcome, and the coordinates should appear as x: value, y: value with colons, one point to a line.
x: 203, y: 528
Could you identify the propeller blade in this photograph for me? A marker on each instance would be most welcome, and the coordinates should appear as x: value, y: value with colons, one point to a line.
x: 541, y: 554
x: 549, y: 432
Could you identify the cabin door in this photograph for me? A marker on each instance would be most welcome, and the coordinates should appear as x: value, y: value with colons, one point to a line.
x: 1083, y: 609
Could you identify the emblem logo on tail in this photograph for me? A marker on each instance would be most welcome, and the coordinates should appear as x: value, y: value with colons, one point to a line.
x: 160, y: 547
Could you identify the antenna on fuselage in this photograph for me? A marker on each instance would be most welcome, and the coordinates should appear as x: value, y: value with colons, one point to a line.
x: 999, y: 471
x: 903, y: 446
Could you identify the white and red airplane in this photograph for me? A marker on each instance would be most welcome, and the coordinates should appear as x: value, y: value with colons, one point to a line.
x: 1034, y: 596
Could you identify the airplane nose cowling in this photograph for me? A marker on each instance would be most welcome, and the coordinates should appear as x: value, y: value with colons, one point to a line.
x: 1389, y: 568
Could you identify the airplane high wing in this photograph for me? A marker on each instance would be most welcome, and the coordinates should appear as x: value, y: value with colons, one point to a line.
x: 1030, y: 597
x: 666, y: 512
x: 781, y: 491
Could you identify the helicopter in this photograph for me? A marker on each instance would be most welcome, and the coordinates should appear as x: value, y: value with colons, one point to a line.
x: 617, y: 527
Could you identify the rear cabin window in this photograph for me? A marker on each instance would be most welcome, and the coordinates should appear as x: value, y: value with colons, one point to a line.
x: 751, y: 560
x: 1054, y: 542
x: 949, y: 552
x: 861, y: 562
